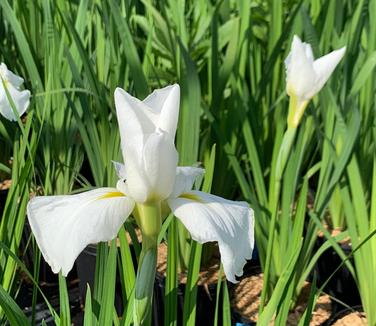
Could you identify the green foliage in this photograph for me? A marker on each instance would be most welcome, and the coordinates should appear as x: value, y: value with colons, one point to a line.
x: 228, y: 58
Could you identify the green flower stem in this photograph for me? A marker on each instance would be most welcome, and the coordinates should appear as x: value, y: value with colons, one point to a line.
x: 284, y: 152
x: 149, y: 220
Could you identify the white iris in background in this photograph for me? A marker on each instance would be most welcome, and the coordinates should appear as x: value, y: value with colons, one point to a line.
x: 64, y: 225
x: 305, y: 76
x: 21, y: 99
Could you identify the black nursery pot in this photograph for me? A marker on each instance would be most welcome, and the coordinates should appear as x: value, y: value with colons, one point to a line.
x: 342, y: 313
x: 342, y: 285
x: 85, y: 264
x: 3, y: 198
x: 205, y: 309
x: 239, y: 320
x: 49, y: 283
x: 206, y: 295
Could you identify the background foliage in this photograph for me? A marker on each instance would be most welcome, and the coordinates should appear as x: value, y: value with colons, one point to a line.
x: 228, y: 58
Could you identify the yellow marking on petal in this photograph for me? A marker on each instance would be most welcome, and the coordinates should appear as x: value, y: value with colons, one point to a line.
x: 111, y: 195
x: 191, y: 197
x: 297, y: 107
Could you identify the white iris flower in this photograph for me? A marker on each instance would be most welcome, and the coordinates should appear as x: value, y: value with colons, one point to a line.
x: 305, y: 76
x: 64, y: 225
x: 21, y: 99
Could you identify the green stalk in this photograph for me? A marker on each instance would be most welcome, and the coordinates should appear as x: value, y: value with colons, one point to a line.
x: 170, y: 307
x: 284, y: 152
x: 149, y: 220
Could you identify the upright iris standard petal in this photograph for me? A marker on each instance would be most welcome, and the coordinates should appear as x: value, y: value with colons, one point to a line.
x: 21, y: 99
x: 160, y: 161
x: 299, y: 69
x: 160, y: 110
x: 185, y: 178
x: 121, y: 172
x: 136, y: 120
x: 64, y: 225
x: 212, y: 218
x: 305, y: 76
x: 151, y: 175
x: 325, y: 66
x: 165, y: 102
x: 147, y: 130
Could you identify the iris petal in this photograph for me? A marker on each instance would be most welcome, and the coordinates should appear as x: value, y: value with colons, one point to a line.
x: 64, y: 225
x: 211, y: 218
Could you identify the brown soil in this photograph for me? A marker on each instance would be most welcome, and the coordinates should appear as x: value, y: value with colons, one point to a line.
x: 138, y: 234
x: 245, y: 299
x: 321, y: 313
x: 245, y: 296
x: 353, y: 319
x: 208, y: 275
x: 4, y: 185
x: 334, y: 233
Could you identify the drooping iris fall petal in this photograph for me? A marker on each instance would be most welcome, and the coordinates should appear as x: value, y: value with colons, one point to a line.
x: 64, y: 225
x: 210, y: 218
